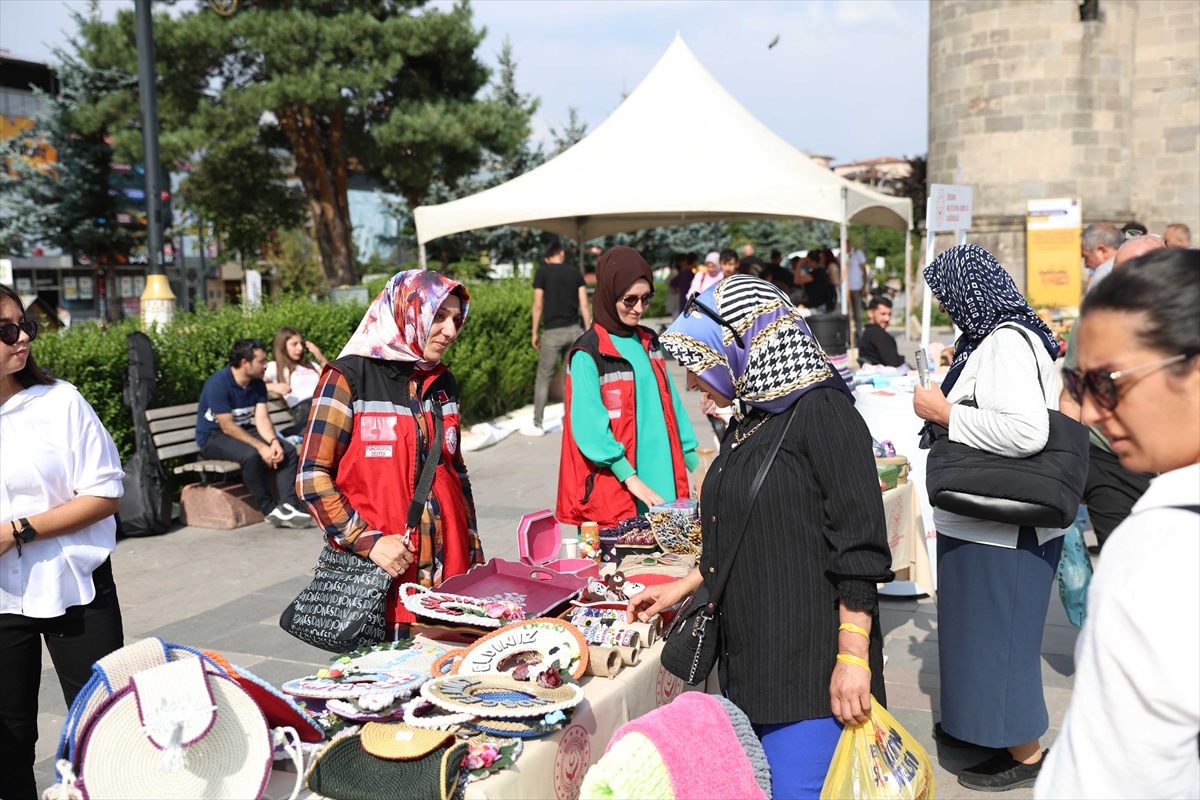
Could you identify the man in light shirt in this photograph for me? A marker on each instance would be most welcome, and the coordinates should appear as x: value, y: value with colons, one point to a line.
x: 856, y: 264
x: 1178, y: 235
x: 1099, y: 243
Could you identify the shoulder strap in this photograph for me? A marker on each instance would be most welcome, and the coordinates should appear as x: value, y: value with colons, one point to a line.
x: 1036, y: 367
x: 714, y: 596
x: 425, y: 483
x: 1193, y: 509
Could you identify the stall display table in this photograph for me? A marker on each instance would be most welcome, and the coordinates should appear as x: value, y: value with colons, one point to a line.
x: 906, y: 537
x: 553, y: 766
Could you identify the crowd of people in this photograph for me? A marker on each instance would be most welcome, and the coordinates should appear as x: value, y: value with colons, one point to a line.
x: 802, y: 647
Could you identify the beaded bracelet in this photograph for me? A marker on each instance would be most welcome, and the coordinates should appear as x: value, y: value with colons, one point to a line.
x: 850, y: 626
x: 854, y: 661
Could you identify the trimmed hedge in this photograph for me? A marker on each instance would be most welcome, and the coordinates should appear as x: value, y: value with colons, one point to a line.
x: 493, y: 362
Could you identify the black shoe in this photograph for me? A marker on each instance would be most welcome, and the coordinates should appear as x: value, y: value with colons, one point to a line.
x: 940, y: 735
x: 1000, y: 773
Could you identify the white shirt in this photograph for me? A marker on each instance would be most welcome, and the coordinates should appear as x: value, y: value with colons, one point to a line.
x: 302, y: 380
x: 855, y: 264
x: 703, y: 280
x: 1131, y: 728
x: 53, y: 448
x: 1011, y: 419
x: 1100, y: 274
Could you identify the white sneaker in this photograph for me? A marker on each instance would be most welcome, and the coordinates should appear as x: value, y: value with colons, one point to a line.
x: 286, y: 515
x: 532, y: 430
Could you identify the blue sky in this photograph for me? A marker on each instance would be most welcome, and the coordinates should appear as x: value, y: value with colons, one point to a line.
x: 847, y: 79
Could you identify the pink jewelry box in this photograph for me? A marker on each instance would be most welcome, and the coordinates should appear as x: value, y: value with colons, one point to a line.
x: 539, y: 538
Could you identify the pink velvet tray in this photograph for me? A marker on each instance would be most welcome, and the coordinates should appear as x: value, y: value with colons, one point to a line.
x: 536, y: 590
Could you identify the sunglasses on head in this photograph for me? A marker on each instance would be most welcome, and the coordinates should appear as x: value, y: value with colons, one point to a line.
x: 631, y: 300
x: 1103, y: 384
x: 694, y: 302
x: 10, y: 332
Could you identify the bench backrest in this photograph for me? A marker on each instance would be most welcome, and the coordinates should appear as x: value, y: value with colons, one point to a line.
x: 174, y: 427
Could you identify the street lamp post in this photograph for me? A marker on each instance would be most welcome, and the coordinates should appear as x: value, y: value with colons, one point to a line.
x: 158, y: 301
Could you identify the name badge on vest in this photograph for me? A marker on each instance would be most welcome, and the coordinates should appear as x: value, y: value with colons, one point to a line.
x: 377, y: 428
x: 378, y: 451
x: 612, y: 402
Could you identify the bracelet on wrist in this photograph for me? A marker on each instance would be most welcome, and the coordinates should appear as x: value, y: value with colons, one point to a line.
x: 854, y: 661
x: 852, y: 628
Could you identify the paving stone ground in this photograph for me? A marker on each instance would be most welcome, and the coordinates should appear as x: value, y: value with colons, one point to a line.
x: 224, y: 590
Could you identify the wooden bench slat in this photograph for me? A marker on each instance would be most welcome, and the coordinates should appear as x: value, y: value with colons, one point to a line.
x: 171, y: 411
x: 174, y: 437
x: 281, y: 417
x: 208, y: 465
x: 175, y: 423
x: 176, y: 450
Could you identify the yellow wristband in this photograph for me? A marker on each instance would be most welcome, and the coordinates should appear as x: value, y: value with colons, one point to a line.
x: 854, y: 661
x: 850, y: 626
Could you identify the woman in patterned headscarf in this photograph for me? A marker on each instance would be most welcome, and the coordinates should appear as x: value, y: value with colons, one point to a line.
x: 994, y: 580
x: 372, y: 430
x: 802, y: 586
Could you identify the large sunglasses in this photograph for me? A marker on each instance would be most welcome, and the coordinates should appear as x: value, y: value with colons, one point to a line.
x: 631, y: 300
x: 1103, y: 384
x: 694, y: 302
x: 10, y: 332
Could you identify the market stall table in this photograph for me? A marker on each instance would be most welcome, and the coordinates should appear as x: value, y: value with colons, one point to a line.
x: 906, y: 537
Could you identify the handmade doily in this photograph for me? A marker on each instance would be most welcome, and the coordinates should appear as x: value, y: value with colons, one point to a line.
x: 526, y: 728
x: 499, y: 696
x: 419, y: 657
x: 351, y: 709
x: 420, y: 713
x: 447, y: 607
x: 399, y: 682
x: 550, y: 640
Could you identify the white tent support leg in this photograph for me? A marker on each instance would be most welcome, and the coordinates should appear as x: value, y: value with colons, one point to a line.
x: 845, y: 273
x: 907, y: 282
x: 421, y: 262
x: 927, y: 297
x: 960, y: 239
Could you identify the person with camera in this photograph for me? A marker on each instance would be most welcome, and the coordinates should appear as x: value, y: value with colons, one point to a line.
x: 60, y: 483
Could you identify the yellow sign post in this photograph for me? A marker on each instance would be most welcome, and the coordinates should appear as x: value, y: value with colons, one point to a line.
x: 1053, y: 273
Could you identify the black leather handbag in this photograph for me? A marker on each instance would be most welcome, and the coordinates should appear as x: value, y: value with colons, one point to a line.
x: 343, y: 609
x: 1041, y: 491
x: 690, y: 649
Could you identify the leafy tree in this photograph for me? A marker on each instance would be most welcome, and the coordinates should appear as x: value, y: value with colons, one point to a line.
x: 575, y: 130
x: 295, y: 261
x: 915, y: 187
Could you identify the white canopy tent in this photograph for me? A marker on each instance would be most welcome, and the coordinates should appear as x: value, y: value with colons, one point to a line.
x: 679, y: 149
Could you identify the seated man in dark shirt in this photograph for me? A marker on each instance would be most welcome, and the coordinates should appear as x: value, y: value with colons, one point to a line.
x: 232, y: 424
x: 877, y: 346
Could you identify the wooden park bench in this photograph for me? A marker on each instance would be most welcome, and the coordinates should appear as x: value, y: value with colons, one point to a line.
x: 218, y: 500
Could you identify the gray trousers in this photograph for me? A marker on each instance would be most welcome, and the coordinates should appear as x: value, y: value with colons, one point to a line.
x: 555, y: 342
x: 856, y: 312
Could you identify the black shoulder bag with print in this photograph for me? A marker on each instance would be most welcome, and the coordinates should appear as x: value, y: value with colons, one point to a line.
x: 344, y: 608
x: 690, y: 650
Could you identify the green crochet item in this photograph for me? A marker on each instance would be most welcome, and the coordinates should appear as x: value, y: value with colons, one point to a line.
x: 345, y: 771
x: 632, y: 767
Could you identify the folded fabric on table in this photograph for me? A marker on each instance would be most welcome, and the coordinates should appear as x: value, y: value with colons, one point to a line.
x: 658, y: 755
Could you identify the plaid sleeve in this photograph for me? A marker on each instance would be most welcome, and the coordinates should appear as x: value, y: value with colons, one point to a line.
x: 475, y: 547
x: 330, y: 425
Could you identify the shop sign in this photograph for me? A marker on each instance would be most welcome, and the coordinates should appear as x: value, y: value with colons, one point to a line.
x: 124, y: 218
x: 125, y: 282
x: 70, y: 288
x: 139, y: 284
x: 135, y: 194
x: 1053, y: 272
x: 950, y: 207
x: 122, y: 168
x: 85, y: 287
x: 24, y: 286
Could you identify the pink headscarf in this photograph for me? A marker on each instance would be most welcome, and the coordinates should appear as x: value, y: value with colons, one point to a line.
x: 396, y: 326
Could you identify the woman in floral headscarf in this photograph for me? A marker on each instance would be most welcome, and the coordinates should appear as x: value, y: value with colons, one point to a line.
x: 375, y: 415
x: 801, y: 650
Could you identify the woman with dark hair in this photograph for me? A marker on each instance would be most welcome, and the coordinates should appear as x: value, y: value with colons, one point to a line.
x: 627, y: 441
x: 1131, y: 729
x: 293, y: 375
x: 801, y: 649
x: 60, y: 482
x: 994, y: 579
x: 374, y: 428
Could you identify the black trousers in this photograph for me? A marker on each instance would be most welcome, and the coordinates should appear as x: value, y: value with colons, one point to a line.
x: 254, y: 469
x: 1110, y: 491
x: 76, y: 640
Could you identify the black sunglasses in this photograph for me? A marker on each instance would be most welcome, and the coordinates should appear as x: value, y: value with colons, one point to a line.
x: 10, y: 332
x: 694, y: 302
x: 1103, y: 384
x: 631, y: 300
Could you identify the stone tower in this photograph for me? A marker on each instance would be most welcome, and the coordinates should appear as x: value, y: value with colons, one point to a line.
x: 1059, y: 98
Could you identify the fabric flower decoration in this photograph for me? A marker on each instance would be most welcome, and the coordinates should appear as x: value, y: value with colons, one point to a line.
x: 549, y: 679
x: 554, y: 717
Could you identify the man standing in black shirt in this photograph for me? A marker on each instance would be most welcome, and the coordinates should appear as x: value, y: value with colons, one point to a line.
x: 876, y: 345
x: 560, y: 292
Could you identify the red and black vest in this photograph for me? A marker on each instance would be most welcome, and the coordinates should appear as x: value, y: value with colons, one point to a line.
x: 378, y: 472
x: 590, y: 493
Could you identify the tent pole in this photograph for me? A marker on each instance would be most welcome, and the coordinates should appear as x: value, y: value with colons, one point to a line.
x: 421, y: 262
x: 845, y: 271
x: 927, y: 297
x: 907, y: 282
x: 579, y: 237
x: 716, y: 236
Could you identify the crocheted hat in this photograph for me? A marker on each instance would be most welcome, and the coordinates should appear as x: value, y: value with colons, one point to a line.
x: 655, y: 756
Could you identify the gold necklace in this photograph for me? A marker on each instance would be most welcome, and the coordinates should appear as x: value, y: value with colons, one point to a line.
x: 738, y: 438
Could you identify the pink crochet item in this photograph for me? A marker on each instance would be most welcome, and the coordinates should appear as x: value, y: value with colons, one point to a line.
x: 703, y: 766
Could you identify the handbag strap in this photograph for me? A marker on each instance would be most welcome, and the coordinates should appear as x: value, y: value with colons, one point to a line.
x: 425, y: 483
x: 714, y: 596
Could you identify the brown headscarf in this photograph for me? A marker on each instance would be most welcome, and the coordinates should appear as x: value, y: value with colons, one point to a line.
x: 619, y: 268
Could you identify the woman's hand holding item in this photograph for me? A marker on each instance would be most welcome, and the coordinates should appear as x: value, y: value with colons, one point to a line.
x: 930, y: 404
x: 392, y: 555
x: 642, y: 492
x: 850, y: 686
x: 653, y: 599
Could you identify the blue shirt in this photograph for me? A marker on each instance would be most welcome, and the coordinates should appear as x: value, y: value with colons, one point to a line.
x: 222, y: 395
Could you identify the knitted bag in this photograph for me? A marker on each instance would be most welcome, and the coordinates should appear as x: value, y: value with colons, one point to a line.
x: 346, y: 771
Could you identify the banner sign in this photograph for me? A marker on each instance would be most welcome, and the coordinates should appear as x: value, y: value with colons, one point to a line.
x: 949, y: 207
x: 1053, y: 275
